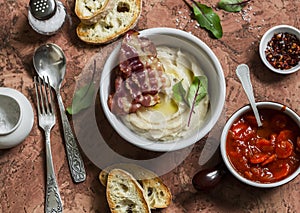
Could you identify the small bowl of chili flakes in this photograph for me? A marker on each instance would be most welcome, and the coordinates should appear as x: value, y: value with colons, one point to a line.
x: 267, y: 156
x: 279, y: 49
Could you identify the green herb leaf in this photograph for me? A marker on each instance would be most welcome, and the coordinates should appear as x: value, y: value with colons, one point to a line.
x: 179, y: 92
x: 84, y: 96
x: 197, y: 90
x: 207, y: 19
x: 82, y: 99
x: 232, y: 5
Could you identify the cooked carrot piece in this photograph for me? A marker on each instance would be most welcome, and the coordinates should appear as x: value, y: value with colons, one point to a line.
x: 284, y: 149
x: 238, y: 130
x: 281, y: 171
x: 285, y: 135
x: 258, y: 158
x: 269, y: 160
x: 263, y: 142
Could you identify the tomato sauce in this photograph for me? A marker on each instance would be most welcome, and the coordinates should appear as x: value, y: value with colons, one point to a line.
x: 266, y: 154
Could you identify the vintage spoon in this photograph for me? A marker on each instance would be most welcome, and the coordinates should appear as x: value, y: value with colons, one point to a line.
x: 243, y: 74
x: 49, y: 60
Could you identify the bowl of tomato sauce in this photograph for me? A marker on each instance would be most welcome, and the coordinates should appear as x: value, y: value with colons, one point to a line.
x: 266, y: 156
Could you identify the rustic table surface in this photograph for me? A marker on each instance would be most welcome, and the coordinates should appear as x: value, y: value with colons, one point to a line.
x: 22, y: 173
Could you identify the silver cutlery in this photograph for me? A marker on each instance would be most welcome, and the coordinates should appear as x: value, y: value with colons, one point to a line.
x: 49, y: 61
x: 46, y: 120
x: 243, y: 73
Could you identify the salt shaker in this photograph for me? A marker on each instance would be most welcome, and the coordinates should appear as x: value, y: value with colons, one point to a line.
x: 46, y: 16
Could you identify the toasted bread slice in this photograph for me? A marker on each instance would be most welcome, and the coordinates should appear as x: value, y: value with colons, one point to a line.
x: 124, y: 194
x: 88, y: 10
x: 157, y: 193
x: 114, y: 22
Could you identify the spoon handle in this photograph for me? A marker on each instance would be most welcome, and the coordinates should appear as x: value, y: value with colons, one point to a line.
x: 243, y: 74
x: 74, y: 158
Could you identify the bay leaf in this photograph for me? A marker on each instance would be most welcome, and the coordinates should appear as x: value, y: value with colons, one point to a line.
x: 207, y: 19
x: 232, y: 5
x: 82, y: 99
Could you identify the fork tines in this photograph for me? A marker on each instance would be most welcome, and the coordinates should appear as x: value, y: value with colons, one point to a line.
x: 43, y: 95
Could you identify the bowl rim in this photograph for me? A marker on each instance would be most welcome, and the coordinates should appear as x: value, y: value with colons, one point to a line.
x: 234, y: 116
x: 18, y: 110
x: 178, y: 144
x: 267, y: 37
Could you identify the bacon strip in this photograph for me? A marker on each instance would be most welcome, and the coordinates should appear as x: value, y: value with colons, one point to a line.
x: 140, y: 76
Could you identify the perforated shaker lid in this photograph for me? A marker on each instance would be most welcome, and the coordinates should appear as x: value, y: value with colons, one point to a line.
x: 42, y: 9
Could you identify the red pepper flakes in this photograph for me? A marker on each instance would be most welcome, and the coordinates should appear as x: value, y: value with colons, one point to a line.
x: 283, y: 51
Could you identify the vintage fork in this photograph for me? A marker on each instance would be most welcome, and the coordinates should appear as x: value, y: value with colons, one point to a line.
x: 46, y: 118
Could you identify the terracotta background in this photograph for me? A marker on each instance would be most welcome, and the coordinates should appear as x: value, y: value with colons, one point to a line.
x: 22, y: 172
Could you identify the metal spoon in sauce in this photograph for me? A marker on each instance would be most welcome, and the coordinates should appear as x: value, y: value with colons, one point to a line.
x: 49, y: 60
x: 243, y: 74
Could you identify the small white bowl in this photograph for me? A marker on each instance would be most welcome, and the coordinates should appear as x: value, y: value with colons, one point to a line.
x: 232, y: 119
x: 21, y: 108
x: 210, y: 65
x: 264, y: 43
x: 10, y: 114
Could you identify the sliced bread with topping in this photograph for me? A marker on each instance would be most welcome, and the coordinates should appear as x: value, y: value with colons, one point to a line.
x: 157, y: 193
x: 124, y: 194
x: 88, y: 10
x: 121, y: 17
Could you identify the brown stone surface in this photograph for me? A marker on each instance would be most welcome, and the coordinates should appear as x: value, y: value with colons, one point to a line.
x: 22, y: 173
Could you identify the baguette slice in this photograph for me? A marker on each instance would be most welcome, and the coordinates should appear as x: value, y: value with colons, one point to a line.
x: 124, y: 194
x: 157, y: 193
x: 114, y: 22
x: 88, y: 11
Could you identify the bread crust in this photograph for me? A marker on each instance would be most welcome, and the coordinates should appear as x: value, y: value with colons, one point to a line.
x: 157, y: 193
x: 112, y: 23
x: 89, y: 12
x: 124, y: 194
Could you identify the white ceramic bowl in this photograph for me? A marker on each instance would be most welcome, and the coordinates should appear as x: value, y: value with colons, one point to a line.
x: 232, y: 119
x: 211, y: 67
x: 20, y: 131
x: 264, y: 43
x: 10, y: 114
